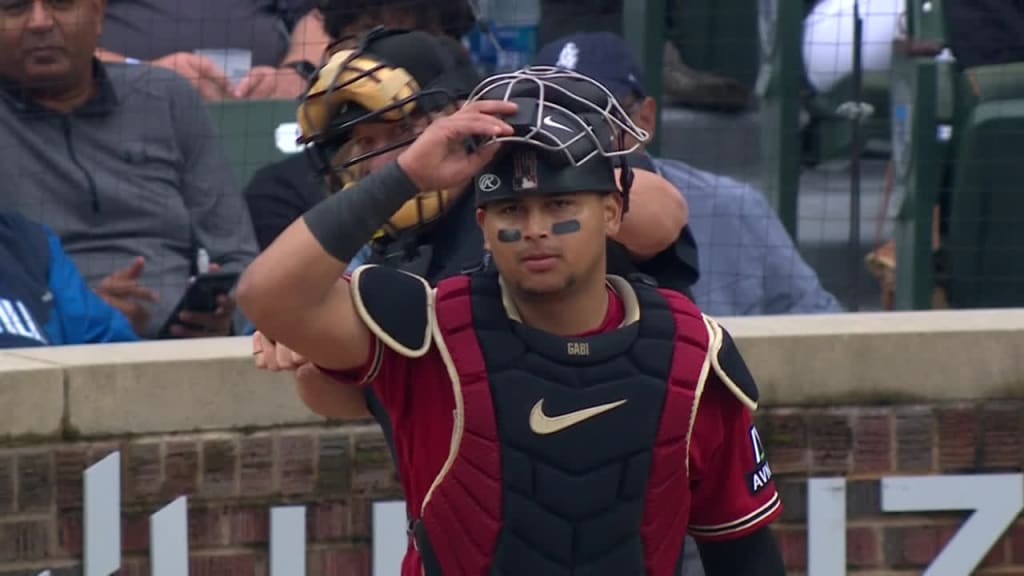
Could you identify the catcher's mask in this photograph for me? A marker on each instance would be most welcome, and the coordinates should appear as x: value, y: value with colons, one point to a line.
x: 392, y: 77
x: 569, y: 134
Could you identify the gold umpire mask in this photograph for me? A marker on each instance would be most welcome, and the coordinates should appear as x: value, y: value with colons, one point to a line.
x: 390, y: 76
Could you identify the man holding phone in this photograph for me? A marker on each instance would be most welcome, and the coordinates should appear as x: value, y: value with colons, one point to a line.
x: 130, y: 180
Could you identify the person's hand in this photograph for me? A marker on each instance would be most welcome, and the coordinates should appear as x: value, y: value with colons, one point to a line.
x: 271, y: 356
x: 205, y: 76
x: 271, y: 83
x: 206, y: 324
x: 121, y: 290
x: 439, y: 157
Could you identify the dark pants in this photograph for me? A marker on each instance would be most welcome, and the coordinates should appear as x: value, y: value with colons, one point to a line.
x: 562, y: 17
x: 983, y: 32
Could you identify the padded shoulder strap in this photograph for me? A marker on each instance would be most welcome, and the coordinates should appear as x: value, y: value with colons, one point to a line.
x: 395, y: 306
x: 729, y: 365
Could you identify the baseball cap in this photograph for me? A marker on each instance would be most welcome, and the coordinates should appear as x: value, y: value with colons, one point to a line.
x: 603, y: 56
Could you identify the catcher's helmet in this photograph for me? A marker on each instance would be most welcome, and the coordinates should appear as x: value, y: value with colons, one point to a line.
x: 391, y: 76
x: 569, y: 134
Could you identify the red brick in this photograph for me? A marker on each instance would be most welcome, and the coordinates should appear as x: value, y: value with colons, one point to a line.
x: 830, y: 438
x: 793, y: 493
x: 335, y: 464
x: 206, y: 528
x: 1017, y: 542
x: 793, y: 547
x: 181, y: 469
x: 1001, y: 445
x: 862, y: 548
x: 6, y: 485
x: 863, y: 499
x: 256, y: 466
x: 135, y: 532
x: 100, y: 451
x: 70, y: 463
x: 784, y: 433
x: 872, y: 443
x: 958, y: 440
x: 35, y: 482
x: 373, y: 470
x: 141, y: 477
x: 220, y: 468
x: 353, y: 562
x: 361, y: 510
x: 232, y: 565
x: 24, y: 541
x: 914, y: 546
x: 329, y: 521
x: 134, y: 567
x: 249, y: 526
x: 915, y: 439
x: 296, y: 455
x: 69, y: 533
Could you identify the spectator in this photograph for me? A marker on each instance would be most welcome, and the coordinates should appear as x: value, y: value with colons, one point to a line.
x: 749, y: 264
x: 683, y: 85
x: 121, y: 161
x: 450, y: 18
x: 43, y: 299
x: 986, y: 32
x: 285, y: 39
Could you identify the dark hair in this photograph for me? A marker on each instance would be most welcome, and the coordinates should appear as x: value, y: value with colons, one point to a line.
x: 443, y: 17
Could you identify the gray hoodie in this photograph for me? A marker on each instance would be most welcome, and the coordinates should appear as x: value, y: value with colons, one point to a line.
x: 139, y: 170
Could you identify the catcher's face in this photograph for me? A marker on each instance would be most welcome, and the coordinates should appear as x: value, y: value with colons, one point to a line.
x: 547, y: 245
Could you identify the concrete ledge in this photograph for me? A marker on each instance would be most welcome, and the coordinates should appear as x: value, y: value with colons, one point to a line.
x: 155, y: 387
x: 884, y: 358
x: 159, y: 387
x: 31, y: 397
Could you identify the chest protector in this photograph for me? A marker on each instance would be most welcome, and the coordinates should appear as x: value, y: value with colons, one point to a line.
x: 569, y: 456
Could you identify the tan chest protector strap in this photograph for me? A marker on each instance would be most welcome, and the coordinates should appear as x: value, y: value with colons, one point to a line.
x: 730, y: 367
x: 395, y: 306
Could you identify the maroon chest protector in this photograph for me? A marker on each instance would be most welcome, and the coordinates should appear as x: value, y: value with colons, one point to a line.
x: 569, y: 455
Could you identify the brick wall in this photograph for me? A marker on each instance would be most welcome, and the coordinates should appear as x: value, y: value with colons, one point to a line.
x: 865, y: 444
x: 234, y: 478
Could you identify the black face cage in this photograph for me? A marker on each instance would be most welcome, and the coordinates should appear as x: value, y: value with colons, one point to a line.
x: 572, y: 117
x: 325, y: 144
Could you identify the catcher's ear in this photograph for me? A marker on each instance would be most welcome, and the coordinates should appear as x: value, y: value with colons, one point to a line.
x: 481, y: 218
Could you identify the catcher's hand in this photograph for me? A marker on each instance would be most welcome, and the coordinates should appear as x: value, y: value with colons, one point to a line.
x: 440, y: 159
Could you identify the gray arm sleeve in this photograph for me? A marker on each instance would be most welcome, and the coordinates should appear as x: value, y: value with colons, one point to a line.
x: 347, y: 220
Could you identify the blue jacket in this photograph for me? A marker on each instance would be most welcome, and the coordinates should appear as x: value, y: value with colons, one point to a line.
x: 43, y: 298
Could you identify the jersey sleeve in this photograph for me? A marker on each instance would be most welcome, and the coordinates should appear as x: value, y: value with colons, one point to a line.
x: 370, y: 370
x: 731, y: 481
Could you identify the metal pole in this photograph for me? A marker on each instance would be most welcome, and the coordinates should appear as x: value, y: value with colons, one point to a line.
x: 855, y: 154
x: 643, y: 27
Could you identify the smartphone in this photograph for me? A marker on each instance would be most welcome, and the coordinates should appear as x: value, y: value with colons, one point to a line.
x: 201, y: 296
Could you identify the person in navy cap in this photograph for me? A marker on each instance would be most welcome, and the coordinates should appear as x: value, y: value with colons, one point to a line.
x: 749, y: 264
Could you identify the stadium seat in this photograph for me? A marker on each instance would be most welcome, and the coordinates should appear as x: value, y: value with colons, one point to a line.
x: 923, y: 99
x: 985, y: 241
x: 255, y: 132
